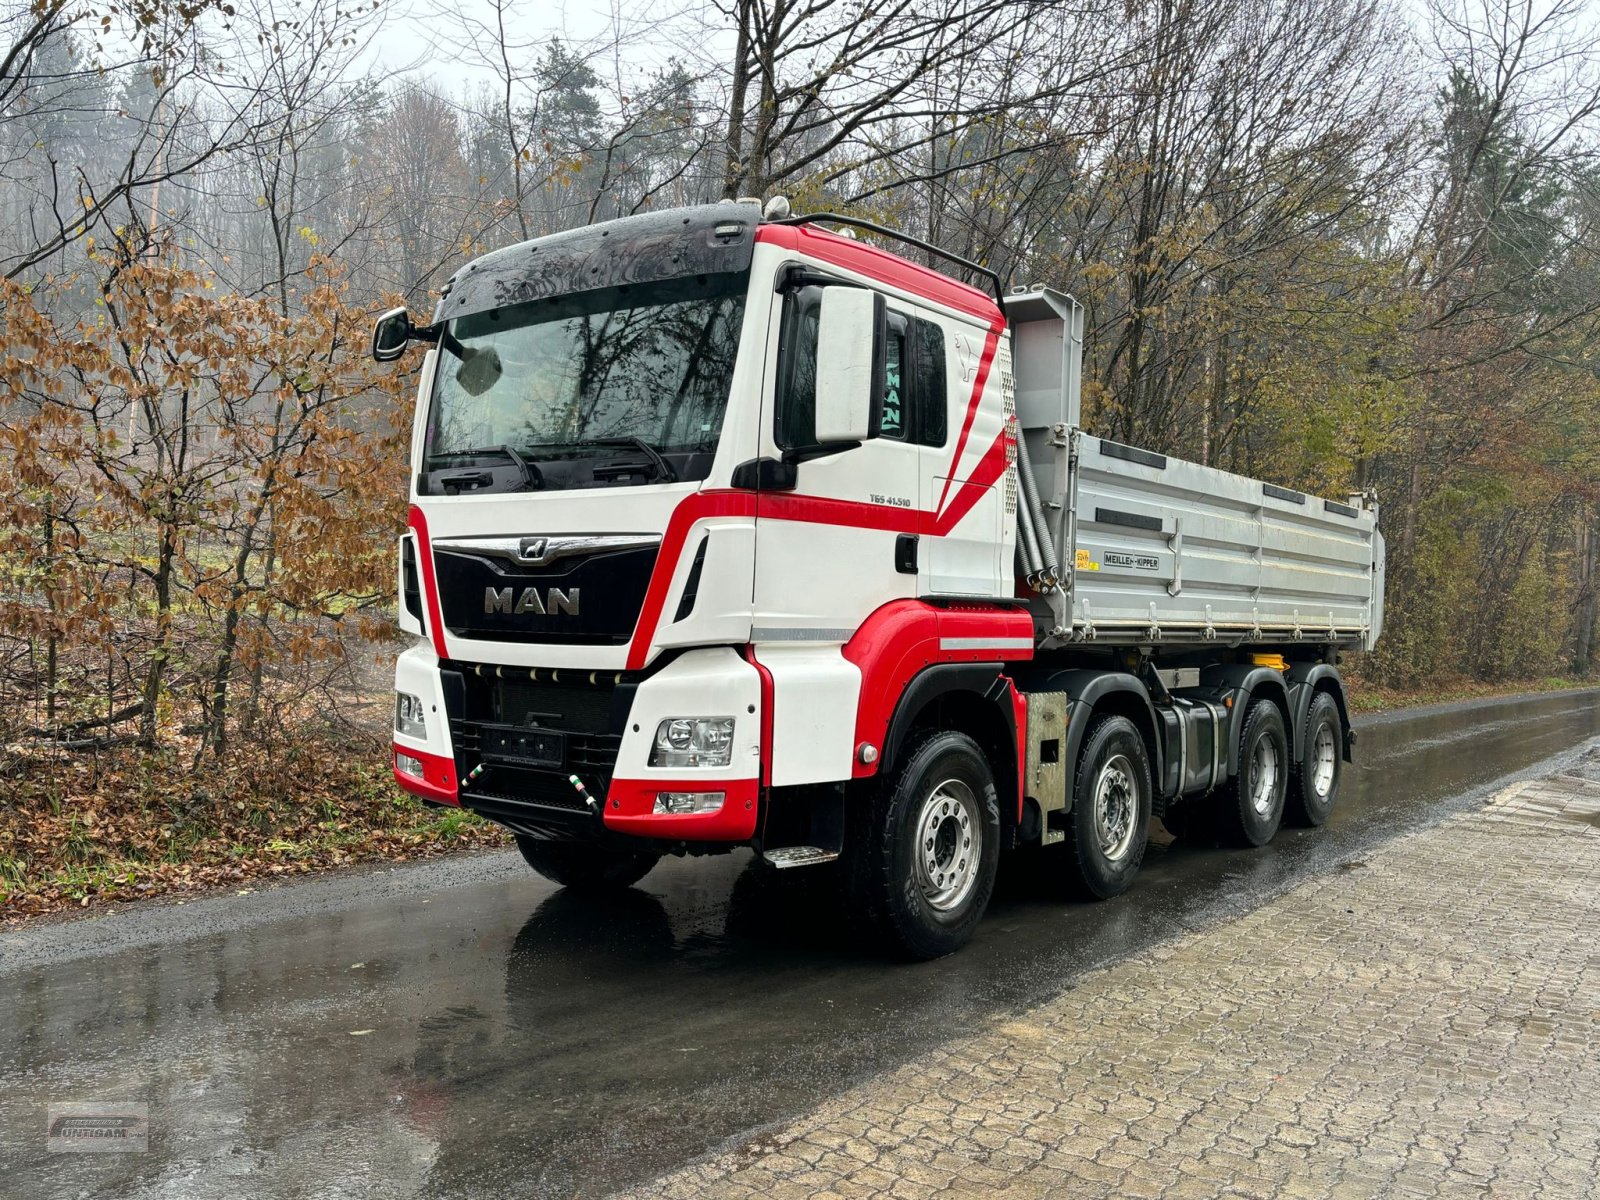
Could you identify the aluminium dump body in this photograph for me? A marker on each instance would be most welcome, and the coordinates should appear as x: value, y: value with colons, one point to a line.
x: 1158, y: 550
x: 1171, y: 550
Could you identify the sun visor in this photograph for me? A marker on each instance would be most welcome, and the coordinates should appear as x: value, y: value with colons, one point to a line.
x: 706, y: 240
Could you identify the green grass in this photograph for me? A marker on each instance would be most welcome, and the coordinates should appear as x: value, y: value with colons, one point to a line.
x: 1369, y: 698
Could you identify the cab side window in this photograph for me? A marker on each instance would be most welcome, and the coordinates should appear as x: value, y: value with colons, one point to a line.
x: 797, y: 370
x: 931, y: 383
x: 914, y: 396
x: 892, y: 420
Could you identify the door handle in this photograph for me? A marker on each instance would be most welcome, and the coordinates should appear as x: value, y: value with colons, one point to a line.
x: 905, y: 553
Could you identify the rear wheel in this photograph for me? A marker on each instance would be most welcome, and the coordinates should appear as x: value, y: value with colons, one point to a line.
x: 1251, y: 806
x: 584, y: 866
x: 923, y: 855
x: 1315, y: 784
x: 1110, y: 819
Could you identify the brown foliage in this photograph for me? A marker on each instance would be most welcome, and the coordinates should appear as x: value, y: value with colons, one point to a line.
x: 194, y: 486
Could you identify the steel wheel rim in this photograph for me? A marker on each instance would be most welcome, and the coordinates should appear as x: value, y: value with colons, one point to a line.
x: 1324, y: 757
x: 1116, y: 806
x: 1263, y: 776
x: 949, y: 845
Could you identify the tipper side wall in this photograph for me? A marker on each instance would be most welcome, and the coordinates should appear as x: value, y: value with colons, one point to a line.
x: 1168, y: 549
x: 1153, y: 549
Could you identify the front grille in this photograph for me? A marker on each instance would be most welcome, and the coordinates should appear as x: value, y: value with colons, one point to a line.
x: 490, y: 599
x: 572, y: 701
x: 555, y: 705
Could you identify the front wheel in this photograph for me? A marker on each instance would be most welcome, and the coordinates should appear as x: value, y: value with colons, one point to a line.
x: 583, y: 866
x: 925, y: 853
x: 1109, y: 824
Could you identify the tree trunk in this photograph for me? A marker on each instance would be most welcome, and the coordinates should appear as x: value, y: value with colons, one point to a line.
x: 733, y: 169
x: 156, y: 672
x: 51, y: 645
x: 1588, y: 605
x: 269, y: 564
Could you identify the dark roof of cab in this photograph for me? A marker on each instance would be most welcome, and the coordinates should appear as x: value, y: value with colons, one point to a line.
x: 705, y: 240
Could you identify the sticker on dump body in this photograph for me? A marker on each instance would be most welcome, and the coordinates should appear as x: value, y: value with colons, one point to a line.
x: 1132, y: 562
x: 1083, y: 562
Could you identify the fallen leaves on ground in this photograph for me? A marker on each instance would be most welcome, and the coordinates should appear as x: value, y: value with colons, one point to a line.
x: 80, y: 831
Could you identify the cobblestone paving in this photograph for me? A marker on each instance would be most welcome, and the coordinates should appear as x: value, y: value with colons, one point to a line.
x: 1423, y: 1023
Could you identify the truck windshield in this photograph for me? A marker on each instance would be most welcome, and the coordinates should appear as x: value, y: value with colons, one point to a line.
x: 569, y: 380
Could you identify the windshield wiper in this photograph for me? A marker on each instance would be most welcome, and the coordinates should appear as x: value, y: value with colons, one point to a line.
x: 663, y: 469
x: 532, y: 477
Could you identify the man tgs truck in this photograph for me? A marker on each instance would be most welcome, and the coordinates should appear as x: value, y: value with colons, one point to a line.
x: 729, y: 530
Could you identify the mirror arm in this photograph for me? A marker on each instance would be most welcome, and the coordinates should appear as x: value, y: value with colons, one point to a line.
x: 447, y: 340
x: 800, y: 454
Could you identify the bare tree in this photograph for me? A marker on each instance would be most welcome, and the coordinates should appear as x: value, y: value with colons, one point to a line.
x: 49, y: 50
x: 812, y: 79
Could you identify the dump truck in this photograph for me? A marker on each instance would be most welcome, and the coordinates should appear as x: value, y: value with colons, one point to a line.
x: 730, y: 528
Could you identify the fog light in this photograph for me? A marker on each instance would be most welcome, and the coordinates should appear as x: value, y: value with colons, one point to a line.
x: 689, y: 802
x: 408, y: 764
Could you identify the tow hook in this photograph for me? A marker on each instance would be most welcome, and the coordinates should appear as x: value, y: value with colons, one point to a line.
x: 582, y: 791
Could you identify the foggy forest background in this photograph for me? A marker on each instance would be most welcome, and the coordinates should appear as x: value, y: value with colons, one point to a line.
x: 1337, y: 244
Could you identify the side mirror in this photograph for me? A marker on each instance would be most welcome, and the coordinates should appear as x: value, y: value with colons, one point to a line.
x: 852, y: 349
x: 391, y: 335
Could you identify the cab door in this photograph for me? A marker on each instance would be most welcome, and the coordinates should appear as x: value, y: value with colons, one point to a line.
x: 843, y: 541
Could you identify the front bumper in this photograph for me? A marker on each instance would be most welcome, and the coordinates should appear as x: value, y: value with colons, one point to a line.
x: 606, y: 722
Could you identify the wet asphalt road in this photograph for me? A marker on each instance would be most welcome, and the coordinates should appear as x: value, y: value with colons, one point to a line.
x: 463, y: 1029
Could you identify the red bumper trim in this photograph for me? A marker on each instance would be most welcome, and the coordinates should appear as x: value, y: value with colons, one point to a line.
x: 438, y: 780
x: 629, y: 803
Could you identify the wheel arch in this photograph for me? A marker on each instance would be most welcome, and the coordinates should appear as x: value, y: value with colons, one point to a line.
x: 970, y: 698
x: 1305, y: 681
x: 1091, y: 693
x: 1246, y: 683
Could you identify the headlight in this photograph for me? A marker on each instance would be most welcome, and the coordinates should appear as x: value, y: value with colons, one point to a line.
x: 408, y: 718
x: 693, y: 742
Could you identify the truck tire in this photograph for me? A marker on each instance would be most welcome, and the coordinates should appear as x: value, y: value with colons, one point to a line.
x: 924, y: 851
x: 1112, y: 796
x: 1251, y: 805
x: 583, y: 866
x: 1314, y: 784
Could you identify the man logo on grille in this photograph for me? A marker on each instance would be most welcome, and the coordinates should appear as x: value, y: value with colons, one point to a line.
x: 554, y: 604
